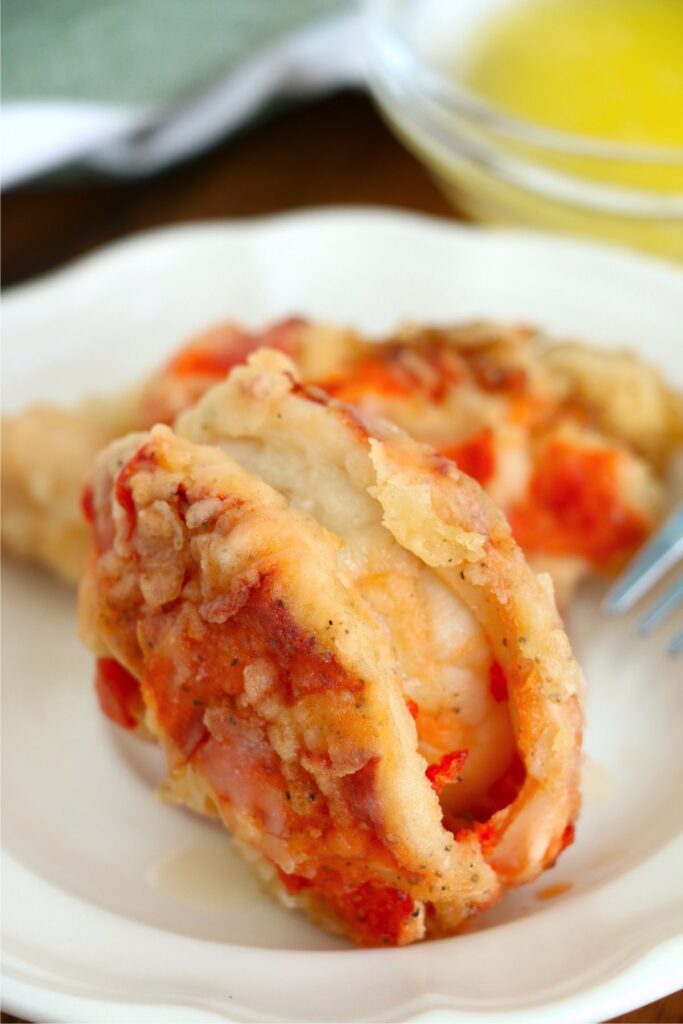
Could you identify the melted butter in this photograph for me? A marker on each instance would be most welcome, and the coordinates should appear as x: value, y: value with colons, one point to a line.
x: 208, y: 875
x: 552, y: 891
x: 612, y: 69
x: 599, y: 69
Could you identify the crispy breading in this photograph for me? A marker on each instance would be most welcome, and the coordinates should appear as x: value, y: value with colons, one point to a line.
x: 319, y: 612
x: 47, y: 450
x: 628, y: 399
x: 46, y: 453
x: 500, y: 401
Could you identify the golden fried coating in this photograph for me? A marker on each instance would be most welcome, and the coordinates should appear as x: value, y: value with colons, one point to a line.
x: 579, y: 494
x: 330, y: 625
x: 571, y: 442
x: 627, y: 399
x: 46, y: 453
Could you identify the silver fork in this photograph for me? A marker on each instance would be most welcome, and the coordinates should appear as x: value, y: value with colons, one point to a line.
x: 661, y: 552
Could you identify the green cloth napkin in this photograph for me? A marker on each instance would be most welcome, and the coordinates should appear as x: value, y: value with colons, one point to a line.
x: 138, y: 51
x: 130, y: 86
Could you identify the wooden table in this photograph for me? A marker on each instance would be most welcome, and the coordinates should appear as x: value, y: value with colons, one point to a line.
x: 336, y: 150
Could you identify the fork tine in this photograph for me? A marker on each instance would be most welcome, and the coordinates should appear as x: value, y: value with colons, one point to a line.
x: 659, y: 554
x: 661, y: 608
x: 676, y: 645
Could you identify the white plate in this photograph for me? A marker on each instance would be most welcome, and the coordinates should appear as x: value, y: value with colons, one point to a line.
x: 103, y: 916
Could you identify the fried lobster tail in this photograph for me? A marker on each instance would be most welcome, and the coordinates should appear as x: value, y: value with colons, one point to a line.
x: 47, y: 451
x: 563, y: 437
x: 46, y: 454
x: 342, y: 652
x: 570, y: 441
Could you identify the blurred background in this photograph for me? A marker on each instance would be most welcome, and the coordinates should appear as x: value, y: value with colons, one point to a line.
x: 124, y: 115
x: 119, y: 115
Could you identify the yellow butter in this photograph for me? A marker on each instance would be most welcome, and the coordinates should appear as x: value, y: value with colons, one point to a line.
x: 608, y: 69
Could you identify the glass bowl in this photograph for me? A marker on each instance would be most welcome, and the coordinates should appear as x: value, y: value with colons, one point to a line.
x: 501, y: 169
